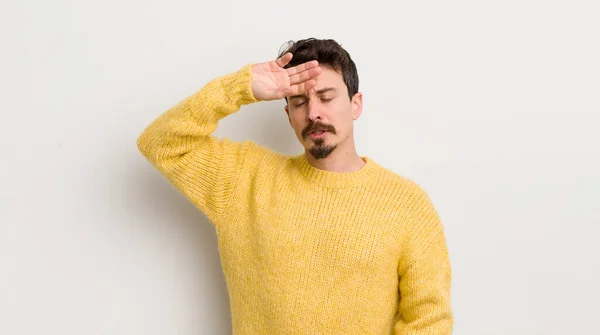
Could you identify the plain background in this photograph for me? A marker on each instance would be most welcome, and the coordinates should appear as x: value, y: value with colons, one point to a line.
x: 492, y: 107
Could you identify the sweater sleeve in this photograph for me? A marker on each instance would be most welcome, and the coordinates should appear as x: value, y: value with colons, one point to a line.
x: 180, y: 144
x: 424, y: 275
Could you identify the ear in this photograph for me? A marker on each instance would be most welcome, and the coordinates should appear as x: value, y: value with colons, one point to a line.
x: 357, y: 105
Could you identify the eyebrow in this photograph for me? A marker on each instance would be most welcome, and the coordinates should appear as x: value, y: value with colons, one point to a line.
x: 321, y: 91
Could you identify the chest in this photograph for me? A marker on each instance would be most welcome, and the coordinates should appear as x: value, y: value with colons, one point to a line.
x: 335, y: 230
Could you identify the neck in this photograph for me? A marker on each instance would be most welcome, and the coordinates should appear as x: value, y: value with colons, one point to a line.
x: 340, y: 160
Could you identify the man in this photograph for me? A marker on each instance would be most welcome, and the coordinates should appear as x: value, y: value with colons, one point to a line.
x: 325, y: 242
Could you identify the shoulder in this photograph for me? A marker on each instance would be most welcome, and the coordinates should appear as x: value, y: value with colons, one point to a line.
x: 406, y: 189
x: 417, y: 215
x: 409, y: 201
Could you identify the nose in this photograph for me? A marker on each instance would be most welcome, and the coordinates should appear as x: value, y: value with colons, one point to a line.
x: 314, y: 111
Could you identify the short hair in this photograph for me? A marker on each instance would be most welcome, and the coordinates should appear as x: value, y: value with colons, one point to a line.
x: 327, y: 52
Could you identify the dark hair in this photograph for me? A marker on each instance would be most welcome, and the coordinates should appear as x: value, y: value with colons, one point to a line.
x: 329, y: 53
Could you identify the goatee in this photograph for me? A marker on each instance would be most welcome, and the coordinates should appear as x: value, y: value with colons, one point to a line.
x: 320, y: 150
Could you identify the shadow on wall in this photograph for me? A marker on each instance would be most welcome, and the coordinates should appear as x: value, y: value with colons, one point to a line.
x: 165, y: 211
x: 264, y: 122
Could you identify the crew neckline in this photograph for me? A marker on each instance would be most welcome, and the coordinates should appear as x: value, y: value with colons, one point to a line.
x: 330, y: 179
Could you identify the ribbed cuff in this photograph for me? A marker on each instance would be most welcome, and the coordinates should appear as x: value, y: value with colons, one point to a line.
x: 238, y: 86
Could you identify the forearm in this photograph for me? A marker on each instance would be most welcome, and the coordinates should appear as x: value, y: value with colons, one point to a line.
x: 187, y: 125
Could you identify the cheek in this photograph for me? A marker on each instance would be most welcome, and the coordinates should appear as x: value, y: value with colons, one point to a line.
x: 298, y: 124
x: 342, y: 118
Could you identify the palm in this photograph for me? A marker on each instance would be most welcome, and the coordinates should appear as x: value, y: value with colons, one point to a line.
x: 270, y: 81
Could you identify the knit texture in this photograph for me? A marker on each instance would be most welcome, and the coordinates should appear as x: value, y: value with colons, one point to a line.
x: 304, y: 250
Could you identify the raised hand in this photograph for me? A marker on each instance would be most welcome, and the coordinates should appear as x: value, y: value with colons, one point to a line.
x: 270, y: 81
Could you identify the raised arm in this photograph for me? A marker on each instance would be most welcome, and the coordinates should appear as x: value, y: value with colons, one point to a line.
x: 180, y: 144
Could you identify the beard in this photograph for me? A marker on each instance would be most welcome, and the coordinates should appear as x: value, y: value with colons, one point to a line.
x: 321, y: 150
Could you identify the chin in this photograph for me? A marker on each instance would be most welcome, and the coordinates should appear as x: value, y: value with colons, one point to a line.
x: 321, y: 151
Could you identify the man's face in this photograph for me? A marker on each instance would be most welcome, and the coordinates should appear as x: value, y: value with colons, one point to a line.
x: 323, y: 118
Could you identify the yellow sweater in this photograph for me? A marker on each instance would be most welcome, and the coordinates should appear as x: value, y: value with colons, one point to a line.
x: 303, y: 250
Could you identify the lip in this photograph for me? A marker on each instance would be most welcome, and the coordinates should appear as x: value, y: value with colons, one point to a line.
x: 314, y: 135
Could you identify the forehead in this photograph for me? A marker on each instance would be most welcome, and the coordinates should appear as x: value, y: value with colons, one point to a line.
x: 329, y: 78
x: 329, y: 81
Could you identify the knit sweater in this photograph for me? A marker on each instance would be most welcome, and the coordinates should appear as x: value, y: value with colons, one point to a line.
x: 304, y: 250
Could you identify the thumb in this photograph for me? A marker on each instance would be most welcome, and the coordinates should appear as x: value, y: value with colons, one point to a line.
x: 284, y: 60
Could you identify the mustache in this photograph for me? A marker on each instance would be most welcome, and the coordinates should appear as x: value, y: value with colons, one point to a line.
x: 317, y: 126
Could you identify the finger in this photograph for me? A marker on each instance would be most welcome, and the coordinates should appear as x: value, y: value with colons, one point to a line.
x: 302, y: 67
x: 284, y: 60
x: 299, y: 89
x: 309, y: 85
x: 305, y: 75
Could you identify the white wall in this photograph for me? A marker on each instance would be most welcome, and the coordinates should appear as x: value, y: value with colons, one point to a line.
x: 491, y: 106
